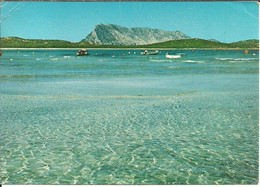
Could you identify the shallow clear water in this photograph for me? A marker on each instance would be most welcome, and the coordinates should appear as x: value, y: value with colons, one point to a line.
x: 128, y: 119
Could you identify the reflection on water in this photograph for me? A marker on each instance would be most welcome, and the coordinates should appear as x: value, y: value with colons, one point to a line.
x: 128, y: 119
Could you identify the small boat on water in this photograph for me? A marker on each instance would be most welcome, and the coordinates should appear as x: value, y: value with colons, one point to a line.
x: 246, y: 52
x: 172, y: 56
x: 82, y: 52
x: 150, y: 53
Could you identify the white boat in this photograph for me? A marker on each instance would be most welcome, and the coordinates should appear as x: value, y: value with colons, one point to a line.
x: 172, y: 56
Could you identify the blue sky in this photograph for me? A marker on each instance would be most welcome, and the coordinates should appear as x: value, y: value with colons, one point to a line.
x: 73, y: 21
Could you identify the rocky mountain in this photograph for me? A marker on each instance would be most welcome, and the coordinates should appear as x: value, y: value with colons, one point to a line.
x: 116, y: 35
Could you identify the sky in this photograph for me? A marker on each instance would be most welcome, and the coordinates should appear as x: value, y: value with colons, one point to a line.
x: 73, y: 21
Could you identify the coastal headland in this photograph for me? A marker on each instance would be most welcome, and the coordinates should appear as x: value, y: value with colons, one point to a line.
x: 184, y: 44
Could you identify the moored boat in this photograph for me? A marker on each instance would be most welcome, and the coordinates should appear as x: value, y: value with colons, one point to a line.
x: 172, y: 56
x: 82, y: 52
x: 150, y: 53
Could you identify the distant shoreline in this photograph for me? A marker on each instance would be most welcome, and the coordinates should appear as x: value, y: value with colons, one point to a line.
x: 14, y: 43
x: 162, y: 49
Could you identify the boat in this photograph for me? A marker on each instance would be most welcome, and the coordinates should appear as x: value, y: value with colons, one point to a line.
x: 246, y: 52
x: 150, y: 53
x: 172, y: 56
x: 82, y: 52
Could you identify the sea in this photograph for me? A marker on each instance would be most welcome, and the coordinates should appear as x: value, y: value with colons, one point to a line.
x: 118, y: 117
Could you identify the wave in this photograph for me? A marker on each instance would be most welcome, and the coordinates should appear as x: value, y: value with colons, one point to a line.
x: 192, y: 61
x: 67, y: 57
x: 160, y: 60
x: 55, y: 59
x: 236, y: 59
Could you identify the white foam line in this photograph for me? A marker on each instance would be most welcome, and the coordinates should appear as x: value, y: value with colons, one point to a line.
x: 160, y: 60
x: 236, y: 59
x: 192, y: 61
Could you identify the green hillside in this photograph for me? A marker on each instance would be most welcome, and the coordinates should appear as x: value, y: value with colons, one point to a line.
x: 15, y: 42
x: 246, y: 44
x: 190, y: 43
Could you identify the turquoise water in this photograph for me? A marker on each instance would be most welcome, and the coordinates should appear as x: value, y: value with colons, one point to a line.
x: 128, y: 119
